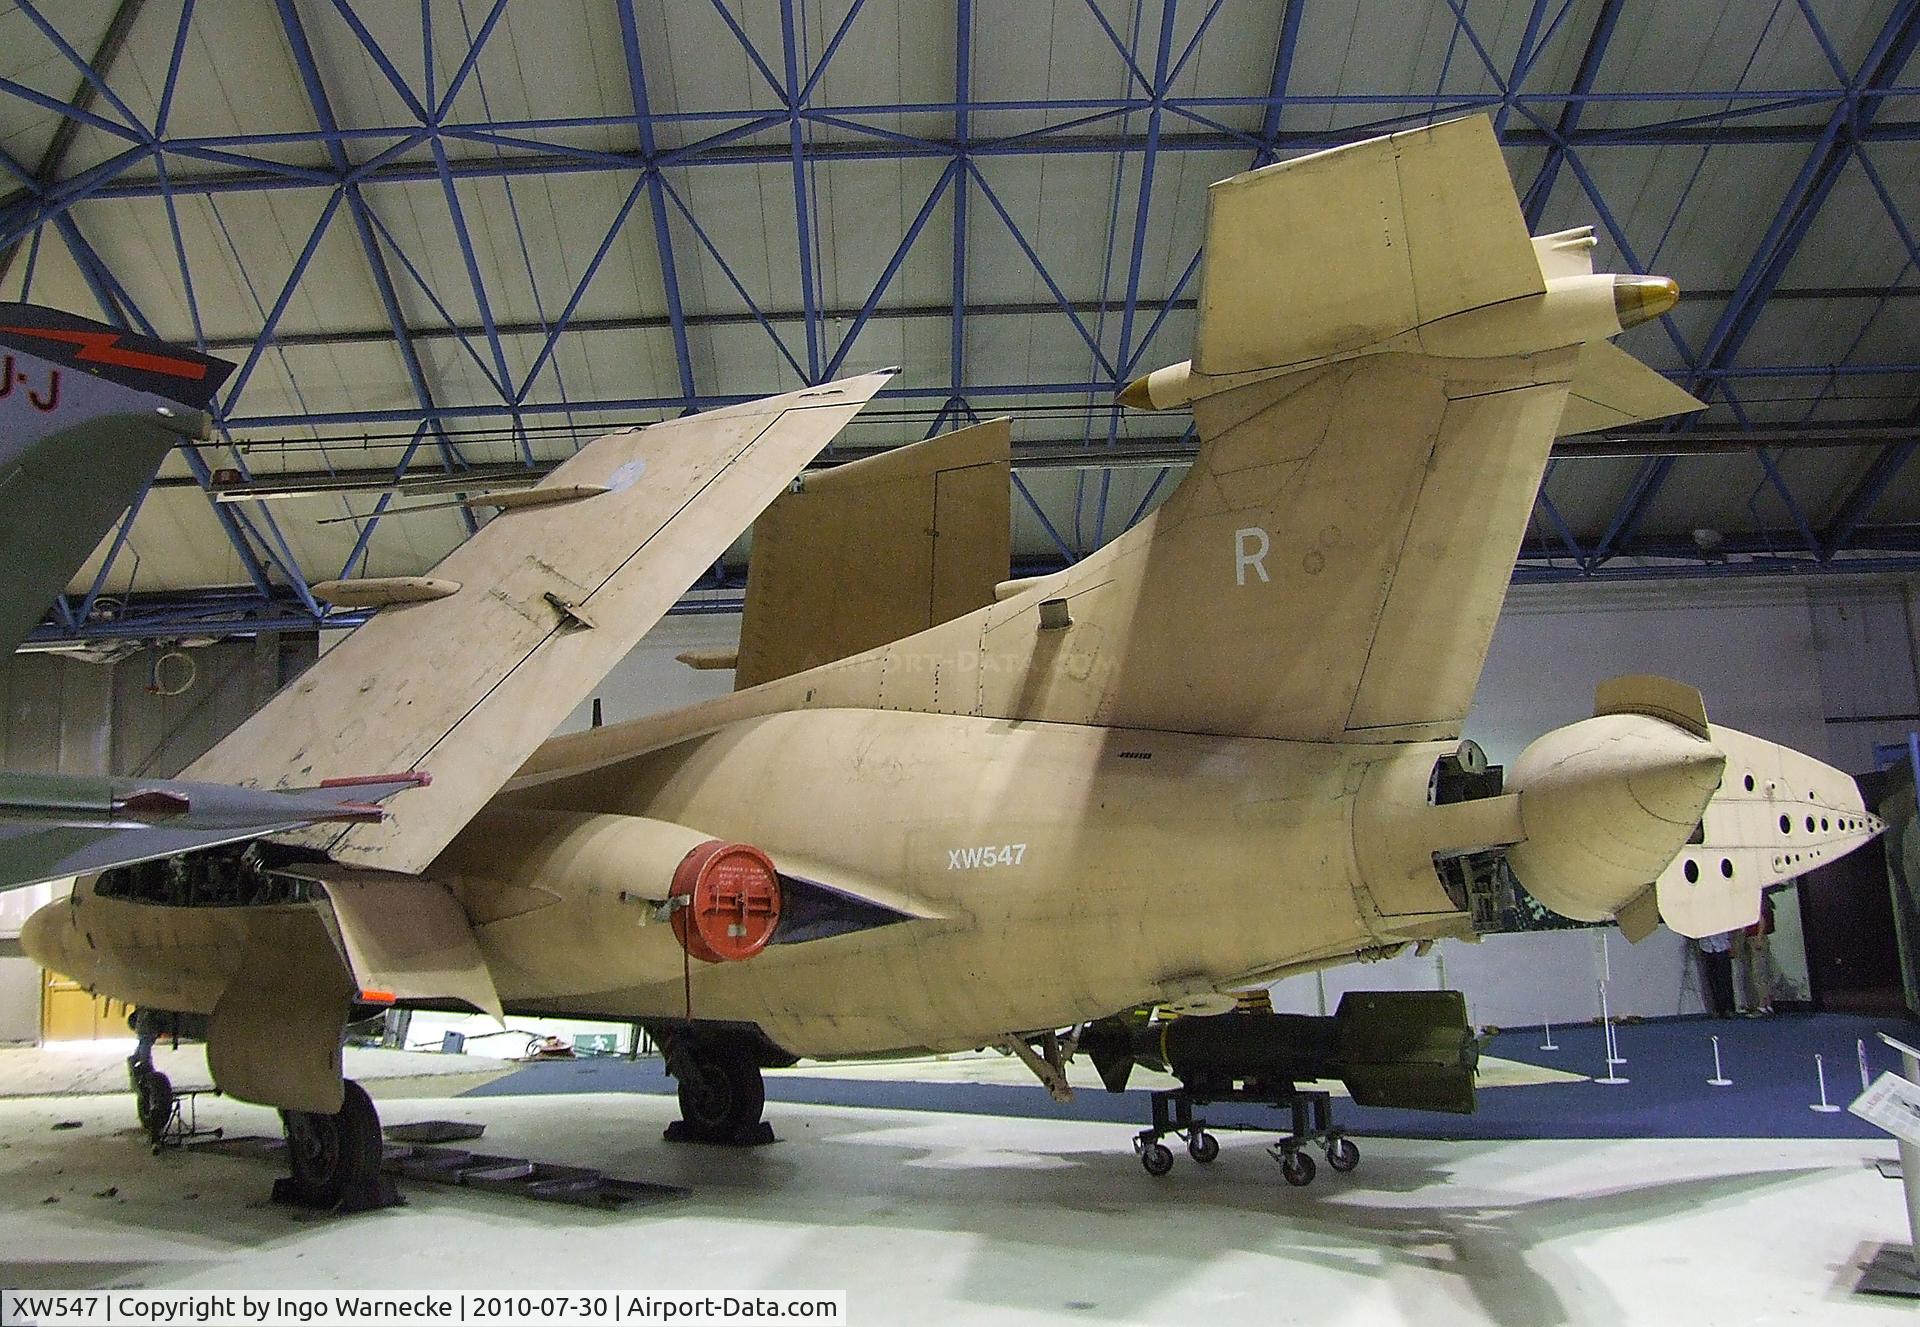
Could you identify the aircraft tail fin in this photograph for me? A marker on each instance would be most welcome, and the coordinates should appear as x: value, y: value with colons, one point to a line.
x: 80, y: 398
x: 82, y: 346
x: 1382, y: 362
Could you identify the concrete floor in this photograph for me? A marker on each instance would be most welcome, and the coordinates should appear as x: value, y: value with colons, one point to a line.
x: 81, y: 1068
x: 929, y: 1218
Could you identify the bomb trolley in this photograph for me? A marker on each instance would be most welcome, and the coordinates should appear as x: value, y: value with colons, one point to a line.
x: 1311, y: 1112
x: 1410, y: 1050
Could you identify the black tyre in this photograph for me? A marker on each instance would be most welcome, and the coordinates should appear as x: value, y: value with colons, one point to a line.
x: 153, y: 1102
x: 334, y: 1159
x: 1298, y: 1168
x: 1203, y: 1147
x: 720, y: 1095
x: 1157, y: 1158
x: 1342, y: 1155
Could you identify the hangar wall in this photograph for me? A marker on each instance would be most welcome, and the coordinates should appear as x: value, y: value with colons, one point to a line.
x: 1794, y: 662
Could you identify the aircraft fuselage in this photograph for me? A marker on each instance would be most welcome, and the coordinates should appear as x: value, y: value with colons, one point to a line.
x: 1052, y: 873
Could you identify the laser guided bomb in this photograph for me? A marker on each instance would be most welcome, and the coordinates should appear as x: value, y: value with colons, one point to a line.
x: 1406, y: 1049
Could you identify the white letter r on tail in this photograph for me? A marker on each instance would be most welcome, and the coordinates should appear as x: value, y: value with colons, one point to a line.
x: 1250, y: 550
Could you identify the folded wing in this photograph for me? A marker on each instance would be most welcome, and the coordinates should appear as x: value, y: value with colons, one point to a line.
x: 551, y: 596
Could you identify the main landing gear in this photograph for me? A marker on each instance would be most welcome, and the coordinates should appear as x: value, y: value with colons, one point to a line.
x: 335, y: 1159
x: 722, y: 1092
x: 1312, y: 1120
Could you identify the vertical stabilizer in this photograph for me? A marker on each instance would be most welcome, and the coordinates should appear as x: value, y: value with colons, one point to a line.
x: 1382, y: 360
x: 87, y: 413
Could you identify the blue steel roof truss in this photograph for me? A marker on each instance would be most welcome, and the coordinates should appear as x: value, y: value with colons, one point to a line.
x: 1145, y: 124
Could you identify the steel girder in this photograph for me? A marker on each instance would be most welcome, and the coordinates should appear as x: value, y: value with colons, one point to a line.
x: 1150, y: 120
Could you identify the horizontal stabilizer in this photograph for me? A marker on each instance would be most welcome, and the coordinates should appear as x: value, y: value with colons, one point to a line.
x: 1612, y: 388
x: 550, y: 597
x: 1340, y: 250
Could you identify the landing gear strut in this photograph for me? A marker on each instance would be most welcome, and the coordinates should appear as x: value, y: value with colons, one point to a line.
x: 722, y: 1092
x: 335, y: 1159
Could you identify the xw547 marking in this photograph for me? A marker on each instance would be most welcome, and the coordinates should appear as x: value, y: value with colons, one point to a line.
x: 985, y: 856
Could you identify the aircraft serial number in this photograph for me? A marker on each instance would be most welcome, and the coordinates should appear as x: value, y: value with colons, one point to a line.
x: 986, y: 856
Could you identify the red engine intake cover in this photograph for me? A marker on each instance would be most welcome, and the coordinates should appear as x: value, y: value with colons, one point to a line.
x: 732, y: 895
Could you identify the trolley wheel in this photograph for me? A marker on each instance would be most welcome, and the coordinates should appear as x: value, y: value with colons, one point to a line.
x: 1202, y: 1146
x: 1342, y: 1155
x: 153, y: 1102
x: 1298, y: 1168
x: 1157, y: 1158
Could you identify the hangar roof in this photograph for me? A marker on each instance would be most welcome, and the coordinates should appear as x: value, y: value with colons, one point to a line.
x: 464, y: 236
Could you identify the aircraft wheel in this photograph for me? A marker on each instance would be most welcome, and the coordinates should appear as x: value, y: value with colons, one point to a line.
x: 1342, y: 1155
x: 1202, y: 1147
x: 1298, y: 1168
x: 153, y: 1102
x: 1157, y: 1158
x: 335, y: 1159
x: 720, y: 1095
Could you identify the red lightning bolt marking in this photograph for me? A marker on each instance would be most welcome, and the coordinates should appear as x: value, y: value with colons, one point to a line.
x: 104, y: 348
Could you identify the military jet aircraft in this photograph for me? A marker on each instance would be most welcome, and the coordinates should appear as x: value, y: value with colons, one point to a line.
x: 1224, y: 748
x: 87, y: 413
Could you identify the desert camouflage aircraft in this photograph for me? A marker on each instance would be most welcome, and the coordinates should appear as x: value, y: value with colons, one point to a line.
x: 1224, y: 748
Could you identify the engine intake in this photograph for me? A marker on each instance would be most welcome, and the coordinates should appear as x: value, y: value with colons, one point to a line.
x: 726, y: 901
